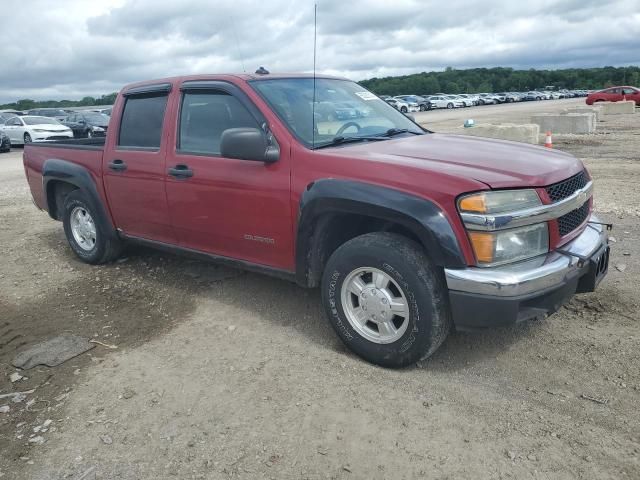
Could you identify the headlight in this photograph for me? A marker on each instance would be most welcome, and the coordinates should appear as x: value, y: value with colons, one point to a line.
x: 39, y: 130
x: 98, y: 129
x: 499, y: 201
x: 505, y: 246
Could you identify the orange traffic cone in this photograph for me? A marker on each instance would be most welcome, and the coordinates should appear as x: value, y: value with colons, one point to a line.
x: 548, y: 143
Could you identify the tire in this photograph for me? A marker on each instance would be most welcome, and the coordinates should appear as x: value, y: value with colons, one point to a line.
x: 27, y: 138
x: 422, y: 108
x: 403, y: 109
x: 449, y: 105
x: 414, y: 284
x: 96, y: 249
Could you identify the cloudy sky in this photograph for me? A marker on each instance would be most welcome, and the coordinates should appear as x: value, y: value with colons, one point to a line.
x: 72, y: 48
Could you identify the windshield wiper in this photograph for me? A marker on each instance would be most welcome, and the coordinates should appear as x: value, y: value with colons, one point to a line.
x: 339, y: 140
x: 397, y: 131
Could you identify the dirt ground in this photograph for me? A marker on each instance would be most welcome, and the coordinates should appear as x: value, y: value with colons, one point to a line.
x: 225, y: 374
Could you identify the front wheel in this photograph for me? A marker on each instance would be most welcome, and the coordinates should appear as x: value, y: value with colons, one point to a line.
x: 85, y: 234
x: 385, y: 299
x: 449, y: 105
x: 422, y: 108
x: 403, y: 109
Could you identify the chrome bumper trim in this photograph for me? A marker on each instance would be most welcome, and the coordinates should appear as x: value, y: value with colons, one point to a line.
x: 533, y: 275
x: 529, y: 216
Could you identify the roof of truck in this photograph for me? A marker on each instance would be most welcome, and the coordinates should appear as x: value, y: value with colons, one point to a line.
x: 228, y: 76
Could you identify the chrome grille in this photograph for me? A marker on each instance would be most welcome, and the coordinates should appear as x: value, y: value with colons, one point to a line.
x: 561, y: 190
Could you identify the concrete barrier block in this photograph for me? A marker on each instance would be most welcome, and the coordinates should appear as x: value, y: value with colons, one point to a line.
x: 617, y: 108
x: 597, y: 111
x: 574, y: 123
x: 527, y: 133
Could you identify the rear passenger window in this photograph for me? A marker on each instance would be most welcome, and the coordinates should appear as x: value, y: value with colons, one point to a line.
x: 141, y: 124
x: 203, y: 118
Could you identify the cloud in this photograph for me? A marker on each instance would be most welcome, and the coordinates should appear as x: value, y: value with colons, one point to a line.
x: 74, y: 48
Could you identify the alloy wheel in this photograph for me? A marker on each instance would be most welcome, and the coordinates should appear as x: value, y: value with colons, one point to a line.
x: 375, y: 305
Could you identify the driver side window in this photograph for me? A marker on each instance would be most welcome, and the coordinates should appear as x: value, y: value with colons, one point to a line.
x: 205, y: 115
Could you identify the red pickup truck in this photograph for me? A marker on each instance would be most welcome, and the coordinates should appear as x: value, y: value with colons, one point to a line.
x: 408, y: 233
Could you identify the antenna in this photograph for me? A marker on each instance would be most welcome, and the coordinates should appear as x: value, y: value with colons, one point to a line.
x: 313, y: 105
x: 235, y: 35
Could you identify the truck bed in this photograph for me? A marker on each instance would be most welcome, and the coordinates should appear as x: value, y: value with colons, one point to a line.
x: 86, y: 152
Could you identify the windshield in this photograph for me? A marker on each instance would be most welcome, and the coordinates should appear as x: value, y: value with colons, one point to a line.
x: 40, y: 121
x: 342, y: 109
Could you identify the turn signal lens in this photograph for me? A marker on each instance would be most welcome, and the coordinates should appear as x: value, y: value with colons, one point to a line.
x: 483, y: 245
x: 473, y: 203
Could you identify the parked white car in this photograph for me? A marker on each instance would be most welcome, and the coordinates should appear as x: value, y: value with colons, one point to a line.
x: 488, y: 99
x: 31, y: 128
x: 470, y: 96
x: 445, y: 101
x: 402, y: 106
x: 466, y: 102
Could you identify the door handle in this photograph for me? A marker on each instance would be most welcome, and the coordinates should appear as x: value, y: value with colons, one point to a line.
x: 117, y: 165
x: 181, y: 171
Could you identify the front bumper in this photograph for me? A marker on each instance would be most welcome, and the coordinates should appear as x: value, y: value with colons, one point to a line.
x: 483, y: 297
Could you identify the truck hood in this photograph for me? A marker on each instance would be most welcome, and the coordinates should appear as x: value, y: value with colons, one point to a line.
x: 496, y: 163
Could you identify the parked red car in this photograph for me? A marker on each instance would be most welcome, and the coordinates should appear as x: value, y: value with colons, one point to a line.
x: 614, y: 94
x: 408, y: 233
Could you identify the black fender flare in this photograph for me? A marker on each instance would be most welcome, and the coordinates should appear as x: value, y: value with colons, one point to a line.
x: 54, y: 170
x: 422, y: 217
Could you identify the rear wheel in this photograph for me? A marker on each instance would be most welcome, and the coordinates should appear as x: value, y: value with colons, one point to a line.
x: 85, y: 233
x: 27, y: 138
x: 449, y: 105
x: 385, y: 299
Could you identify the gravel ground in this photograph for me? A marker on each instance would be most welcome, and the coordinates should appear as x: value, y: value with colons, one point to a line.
x: 225, y: 374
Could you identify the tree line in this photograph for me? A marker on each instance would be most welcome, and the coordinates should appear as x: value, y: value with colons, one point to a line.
x: 500, y: 79
x: 28, y: 104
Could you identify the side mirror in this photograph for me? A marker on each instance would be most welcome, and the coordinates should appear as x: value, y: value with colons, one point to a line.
x: 248, y: 144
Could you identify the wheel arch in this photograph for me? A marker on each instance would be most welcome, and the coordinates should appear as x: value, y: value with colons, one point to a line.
x: 59, y: 177
x: 334, y: 211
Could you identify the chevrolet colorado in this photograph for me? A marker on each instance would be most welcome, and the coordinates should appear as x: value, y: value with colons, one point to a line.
x: 408, y: 233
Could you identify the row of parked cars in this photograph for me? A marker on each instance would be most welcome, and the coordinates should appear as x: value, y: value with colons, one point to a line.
x: 420, y: 103
x: 42, y: 124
